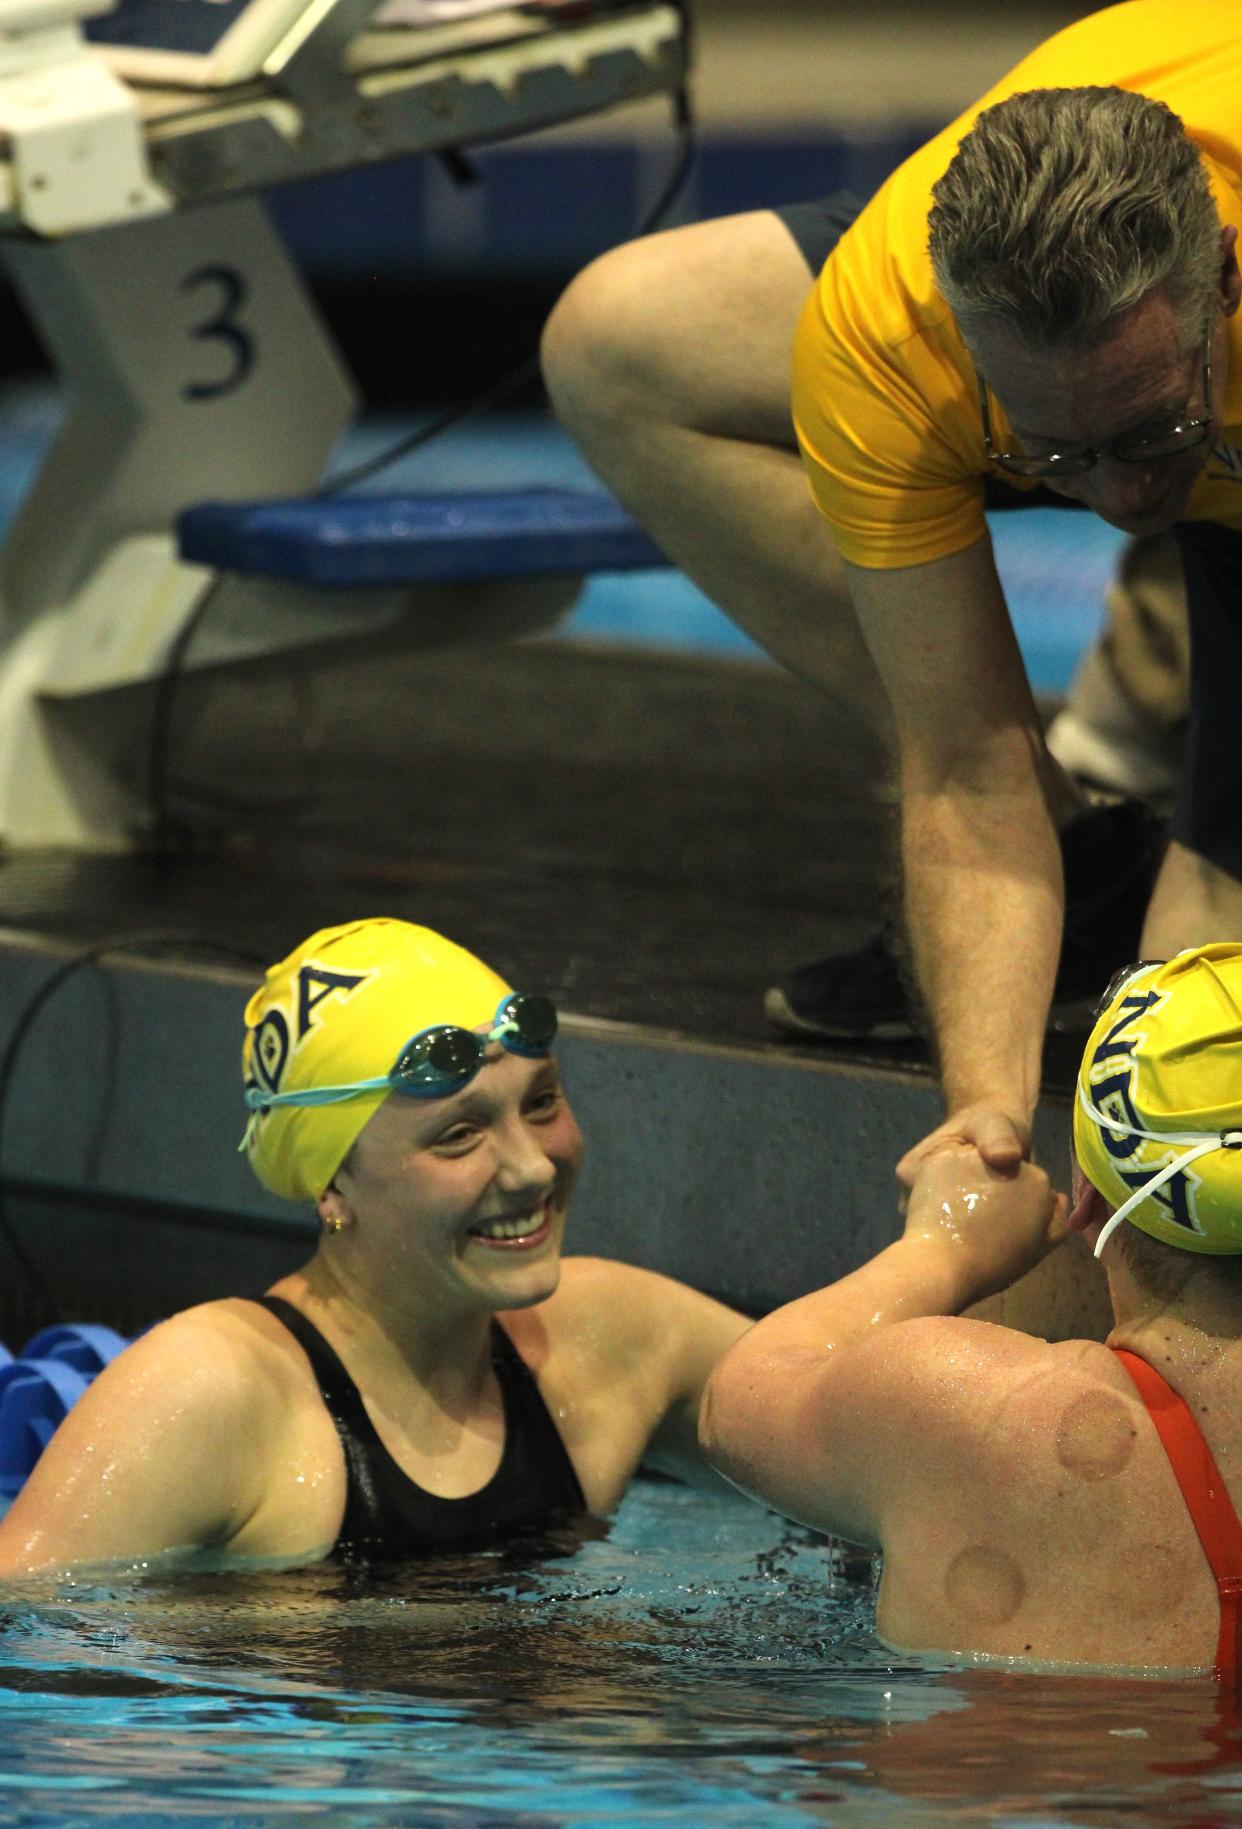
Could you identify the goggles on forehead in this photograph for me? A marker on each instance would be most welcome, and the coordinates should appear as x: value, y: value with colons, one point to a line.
x: 1121, y: 978
x: 438, y: 1061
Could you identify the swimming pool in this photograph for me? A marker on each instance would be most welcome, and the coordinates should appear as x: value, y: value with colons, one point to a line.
x: 1054, y: 566
x: 701, y: 1662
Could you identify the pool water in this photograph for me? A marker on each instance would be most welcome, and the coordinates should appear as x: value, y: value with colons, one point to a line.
x: 700, y: 1662
x: 1054, y: 566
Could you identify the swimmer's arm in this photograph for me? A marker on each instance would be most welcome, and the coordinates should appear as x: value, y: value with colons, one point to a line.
x: 666, y: 1340
x: 154, y: 1457
x: 806, y: 1412
x: 828, y: 1408
x: 697, y: 1332
x: 981, y: 863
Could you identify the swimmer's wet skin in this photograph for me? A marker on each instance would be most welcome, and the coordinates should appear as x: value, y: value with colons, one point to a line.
x: 436, y: 1376
x: 1045, y: 1504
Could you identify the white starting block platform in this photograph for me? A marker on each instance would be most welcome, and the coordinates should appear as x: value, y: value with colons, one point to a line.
x: 288, y: 89
x: 197, y: 367
x: 404, y: 91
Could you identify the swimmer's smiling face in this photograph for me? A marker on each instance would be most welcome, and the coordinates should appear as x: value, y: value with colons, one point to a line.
x: 465, y: 1198
x: 1146, y: 376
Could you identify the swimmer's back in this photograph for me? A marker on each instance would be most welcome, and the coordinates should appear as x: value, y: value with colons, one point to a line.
x: 1027, y: 1506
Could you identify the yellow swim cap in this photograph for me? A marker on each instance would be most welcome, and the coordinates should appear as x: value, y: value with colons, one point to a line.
x: 341, y: 1008
x: 1158, y: 1116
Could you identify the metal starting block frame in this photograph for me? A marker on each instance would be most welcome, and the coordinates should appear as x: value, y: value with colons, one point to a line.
x: 196, y: 363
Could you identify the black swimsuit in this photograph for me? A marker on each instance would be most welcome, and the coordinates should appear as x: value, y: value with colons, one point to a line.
x: 386, y: 1514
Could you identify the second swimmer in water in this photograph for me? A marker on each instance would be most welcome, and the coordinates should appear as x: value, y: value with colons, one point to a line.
x: 436, y: 1376
x: 1069, y: 1504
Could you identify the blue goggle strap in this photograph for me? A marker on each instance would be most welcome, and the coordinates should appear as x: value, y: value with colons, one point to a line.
x: 503, y: 1027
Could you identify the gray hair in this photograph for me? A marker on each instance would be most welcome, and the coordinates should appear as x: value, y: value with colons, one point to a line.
x: 1062, y: 208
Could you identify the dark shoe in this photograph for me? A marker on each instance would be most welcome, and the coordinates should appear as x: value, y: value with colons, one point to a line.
x: 852, y: 997
x: 1111, y: 855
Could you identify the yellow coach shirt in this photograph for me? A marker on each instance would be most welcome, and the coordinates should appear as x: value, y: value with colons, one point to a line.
x: 884, y: 393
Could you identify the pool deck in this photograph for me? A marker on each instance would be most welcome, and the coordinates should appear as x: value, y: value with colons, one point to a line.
x: 649, y: 838
x: 650, y: 835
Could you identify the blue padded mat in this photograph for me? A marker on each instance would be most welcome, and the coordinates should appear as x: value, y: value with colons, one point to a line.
x: 1054, y: 565
x: 40, y: 1385
x: 418, y: 539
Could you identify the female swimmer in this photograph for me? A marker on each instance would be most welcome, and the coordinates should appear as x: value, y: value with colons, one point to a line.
x: 436, y: 1376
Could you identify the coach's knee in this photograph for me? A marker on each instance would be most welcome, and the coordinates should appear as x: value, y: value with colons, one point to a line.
x: 602, y: 350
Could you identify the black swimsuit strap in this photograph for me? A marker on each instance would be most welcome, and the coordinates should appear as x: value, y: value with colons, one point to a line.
x: 336, y: 1387
x: 387, y: 1510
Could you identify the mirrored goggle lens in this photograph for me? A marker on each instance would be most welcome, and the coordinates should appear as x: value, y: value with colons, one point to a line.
x: 1120, y: 978
x: 533, y: 1021
x: 440, y: 1058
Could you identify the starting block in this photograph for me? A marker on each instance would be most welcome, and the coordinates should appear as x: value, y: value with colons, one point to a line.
x: 197, y: 367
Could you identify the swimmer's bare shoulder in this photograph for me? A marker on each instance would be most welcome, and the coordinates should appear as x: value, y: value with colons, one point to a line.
x: 622, y: 1355
x: 877, y: 1440
x: 203, y: 1435
x: 638, y: 1323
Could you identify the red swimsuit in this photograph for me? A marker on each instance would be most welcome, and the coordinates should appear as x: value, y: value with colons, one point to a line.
x: 1207, y: 1500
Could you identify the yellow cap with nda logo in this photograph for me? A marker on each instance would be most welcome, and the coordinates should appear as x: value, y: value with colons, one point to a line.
x: 339, y: 1010
x: 1158, y: 1112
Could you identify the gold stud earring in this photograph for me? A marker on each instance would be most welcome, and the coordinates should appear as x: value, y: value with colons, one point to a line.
x: 332, y: 1222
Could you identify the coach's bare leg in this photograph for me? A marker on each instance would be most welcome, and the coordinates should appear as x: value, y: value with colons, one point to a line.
x: 1193, y: 904
x: 668, y: 360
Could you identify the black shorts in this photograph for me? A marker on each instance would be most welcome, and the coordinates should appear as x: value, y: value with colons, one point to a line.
x: 1208, y: 818
x: 818, y: 226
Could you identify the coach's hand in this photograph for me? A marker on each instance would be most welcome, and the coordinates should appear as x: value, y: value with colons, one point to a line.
x: 1002, y: 1138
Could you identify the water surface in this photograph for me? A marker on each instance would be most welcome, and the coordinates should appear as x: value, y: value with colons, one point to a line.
x: 699, y: 1663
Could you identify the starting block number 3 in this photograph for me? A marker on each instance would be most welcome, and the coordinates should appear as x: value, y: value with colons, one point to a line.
x: 224, y: 295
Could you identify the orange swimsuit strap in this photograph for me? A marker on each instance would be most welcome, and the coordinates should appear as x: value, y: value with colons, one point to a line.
x: 1207, y: 1500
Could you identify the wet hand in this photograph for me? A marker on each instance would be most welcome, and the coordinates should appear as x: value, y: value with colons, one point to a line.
x: 1004, y: 1222
x: 1001, y: 1138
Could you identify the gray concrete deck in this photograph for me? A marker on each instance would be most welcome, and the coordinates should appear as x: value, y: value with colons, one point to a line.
x: 650, y: 839
x: 745, y: 1171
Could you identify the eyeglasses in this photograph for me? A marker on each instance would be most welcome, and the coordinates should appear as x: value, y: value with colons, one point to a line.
x: 438, y: 1061
x: 1142, y: 448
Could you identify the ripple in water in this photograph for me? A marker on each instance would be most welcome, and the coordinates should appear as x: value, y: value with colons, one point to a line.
x: 698, y: 1662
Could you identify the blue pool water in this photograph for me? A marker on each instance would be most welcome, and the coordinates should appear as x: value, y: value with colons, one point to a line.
x: 1054, y: 566
x: 701, y: 1663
